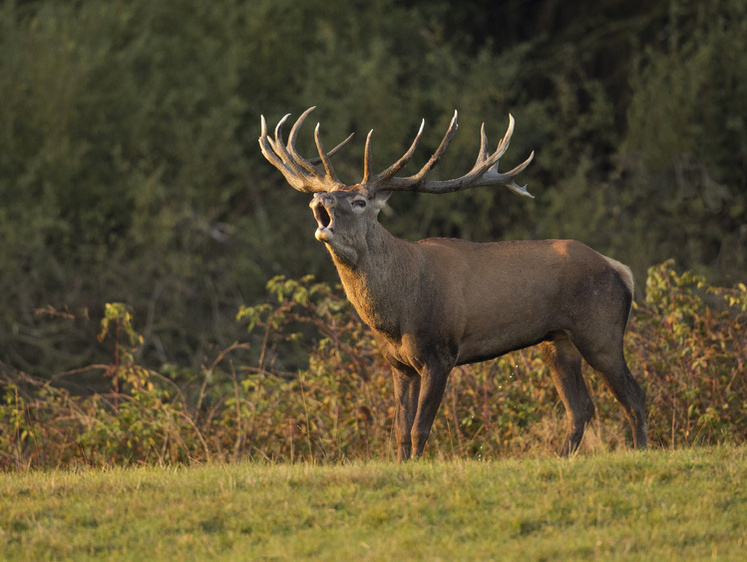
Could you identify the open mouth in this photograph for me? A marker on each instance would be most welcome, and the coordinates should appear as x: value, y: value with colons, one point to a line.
x: 322, y: 216
x: 325, y: 222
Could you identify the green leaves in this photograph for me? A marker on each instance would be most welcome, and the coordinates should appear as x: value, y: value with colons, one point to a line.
x: 118, y: 317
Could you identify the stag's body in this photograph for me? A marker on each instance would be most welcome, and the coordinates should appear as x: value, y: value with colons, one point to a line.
x: 441, y: 302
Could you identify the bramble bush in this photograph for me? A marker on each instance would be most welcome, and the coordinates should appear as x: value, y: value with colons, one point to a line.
x: 686, y: 345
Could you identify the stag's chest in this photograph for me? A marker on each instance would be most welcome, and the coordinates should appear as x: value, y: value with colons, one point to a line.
x: 379, y: 315
x: 377, y: 300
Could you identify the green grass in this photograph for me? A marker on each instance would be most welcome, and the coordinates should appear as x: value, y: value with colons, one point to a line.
x: 687, y: 504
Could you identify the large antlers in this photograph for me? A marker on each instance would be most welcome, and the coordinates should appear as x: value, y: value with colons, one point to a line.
x: 304, y: 176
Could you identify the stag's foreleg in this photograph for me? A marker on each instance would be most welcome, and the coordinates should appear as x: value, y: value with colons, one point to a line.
x: 418, y: 396
x: 406, y: 392
x: 432, y: 385
x: 564, y: 361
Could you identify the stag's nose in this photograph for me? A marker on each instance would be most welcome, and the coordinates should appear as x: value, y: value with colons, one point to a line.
x: 322, y: 199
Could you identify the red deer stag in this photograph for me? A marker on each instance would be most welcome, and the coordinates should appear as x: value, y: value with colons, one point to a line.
x: 439, y: 303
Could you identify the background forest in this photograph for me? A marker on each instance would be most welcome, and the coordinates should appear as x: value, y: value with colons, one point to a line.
x: 130, y: 171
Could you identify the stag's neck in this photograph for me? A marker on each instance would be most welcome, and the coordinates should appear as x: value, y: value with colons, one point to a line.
x: 381, y: 280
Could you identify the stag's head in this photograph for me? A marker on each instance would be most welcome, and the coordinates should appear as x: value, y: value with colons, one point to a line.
x: 346, y: 213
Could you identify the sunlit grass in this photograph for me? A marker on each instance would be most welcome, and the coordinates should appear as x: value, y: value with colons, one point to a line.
x: 684, y: 504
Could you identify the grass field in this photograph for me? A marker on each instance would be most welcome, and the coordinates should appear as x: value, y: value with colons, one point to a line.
x: 688, y: 504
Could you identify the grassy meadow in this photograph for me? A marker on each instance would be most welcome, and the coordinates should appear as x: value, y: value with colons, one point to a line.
x: 685, y: 504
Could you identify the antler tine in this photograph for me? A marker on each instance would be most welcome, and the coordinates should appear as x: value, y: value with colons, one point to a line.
x: 385, y: 181
x: 392, y: 170
x: 483, y: 154
x: 367, y: 159
x: 267, y: 146
x: 505, y: 141
x: 518, y: 169
x: 274, y: 155
x: 316, y: 160
x: 484, y: 160
x: 425, y: 170
x: 492, y: 172
x: 294, y: 133
x: 524, y: 164
x: 308, y: 165
x: 296, y: 127
x: 323, y: 155
x: 293, y: 161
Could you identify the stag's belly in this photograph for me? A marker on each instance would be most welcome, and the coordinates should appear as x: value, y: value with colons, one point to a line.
x: 497, y: 339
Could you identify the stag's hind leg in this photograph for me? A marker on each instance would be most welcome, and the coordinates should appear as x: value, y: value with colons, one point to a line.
x: 564, y: 361
x: 628, y: 393
x: 605, y: 355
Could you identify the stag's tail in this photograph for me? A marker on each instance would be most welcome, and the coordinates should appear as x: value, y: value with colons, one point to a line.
x: 625, y: 274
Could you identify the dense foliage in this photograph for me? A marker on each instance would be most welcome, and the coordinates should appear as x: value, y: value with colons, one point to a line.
x: 130, y: 173
x: 129, y: 170
x: 686, y: 346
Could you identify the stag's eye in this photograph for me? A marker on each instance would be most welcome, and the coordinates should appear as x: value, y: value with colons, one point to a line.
x: 360, y: 203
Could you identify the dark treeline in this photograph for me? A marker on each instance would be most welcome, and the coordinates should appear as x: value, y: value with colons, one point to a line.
x: 130, y: 171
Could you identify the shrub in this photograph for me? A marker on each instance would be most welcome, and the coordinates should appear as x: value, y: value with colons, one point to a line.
x: 685, y: 344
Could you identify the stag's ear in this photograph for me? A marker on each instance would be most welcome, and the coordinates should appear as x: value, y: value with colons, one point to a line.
x: 380, y: 199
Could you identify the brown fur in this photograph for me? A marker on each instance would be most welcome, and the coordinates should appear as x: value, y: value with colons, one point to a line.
x: 439, y: 303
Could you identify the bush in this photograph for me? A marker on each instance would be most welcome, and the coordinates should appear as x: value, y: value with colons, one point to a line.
x: 685, y: 345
